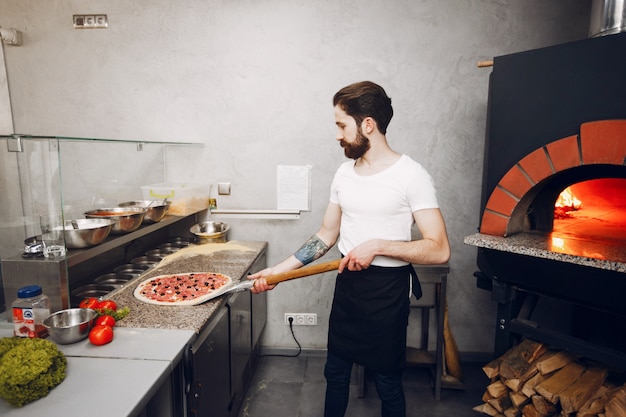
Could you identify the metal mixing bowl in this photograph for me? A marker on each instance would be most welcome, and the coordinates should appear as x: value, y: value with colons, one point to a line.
x: 156, y: 210
x: 210, y: 232
x: 90, y: 232
x: 126, y: 219
x: 70, y: 326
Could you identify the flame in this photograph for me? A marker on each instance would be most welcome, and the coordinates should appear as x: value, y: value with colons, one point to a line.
x: 566, y: 202
x: 567, y: 199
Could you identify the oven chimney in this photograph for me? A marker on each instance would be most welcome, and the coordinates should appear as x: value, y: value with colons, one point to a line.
x: 607, y: 17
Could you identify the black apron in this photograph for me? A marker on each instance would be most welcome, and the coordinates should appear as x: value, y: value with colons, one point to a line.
x: 370, y: 315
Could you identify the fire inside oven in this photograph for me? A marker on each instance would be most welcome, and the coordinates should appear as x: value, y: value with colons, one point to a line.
x: 593, y: 209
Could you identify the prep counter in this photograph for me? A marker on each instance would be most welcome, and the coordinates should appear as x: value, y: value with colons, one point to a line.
x: 118, y: 379
x: 149, y: 346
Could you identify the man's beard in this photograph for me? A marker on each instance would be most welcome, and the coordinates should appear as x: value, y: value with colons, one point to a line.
x: 356, y: 149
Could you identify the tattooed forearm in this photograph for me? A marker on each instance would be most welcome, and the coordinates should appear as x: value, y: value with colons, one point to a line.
x: 313, y: 249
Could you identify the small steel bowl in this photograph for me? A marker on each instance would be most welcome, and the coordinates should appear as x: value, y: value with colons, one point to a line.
x: 131, y: 269
x: 170, y: 247
x: 159, y: 253
x: 149, y: 261
x: 126, y: 219
x: 71, y: 325
x: 92, y: 290
x: 155, y: 210
x: 181, y: 242
x: 210, y: 232
x: 114, y: 279
x: 90, y: 232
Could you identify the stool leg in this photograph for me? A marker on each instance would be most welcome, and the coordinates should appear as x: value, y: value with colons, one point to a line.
x: 439, y: 358
x: 360, y: 377
x: 425, y: 312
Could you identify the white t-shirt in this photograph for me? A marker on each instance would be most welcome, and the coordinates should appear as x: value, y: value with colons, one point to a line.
x: 381, y: 206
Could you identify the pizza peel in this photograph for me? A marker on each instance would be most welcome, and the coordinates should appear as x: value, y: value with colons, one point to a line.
x: 247, y: 284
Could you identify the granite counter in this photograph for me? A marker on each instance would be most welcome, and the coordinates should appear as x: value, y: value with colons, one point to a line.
x: 590, y: 253
x: 233, y: 258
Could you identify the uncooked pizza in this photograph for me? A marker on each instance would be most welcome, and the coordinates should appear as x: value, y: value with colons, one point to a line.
x: 188, y: 288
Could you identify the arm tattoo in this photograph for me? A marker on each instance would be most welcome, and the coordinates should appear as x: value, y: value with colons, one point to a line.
x: 313, y: 249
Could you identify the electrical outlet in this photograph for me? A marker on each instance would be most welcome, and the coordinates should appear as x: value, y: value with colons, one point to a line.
x: 90, y: 21
x: 301, y: 319
x: 311, y: 319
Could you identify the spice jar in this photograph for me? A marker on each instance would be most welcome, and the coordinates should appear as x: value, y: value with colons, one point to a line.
x: 30, y: 309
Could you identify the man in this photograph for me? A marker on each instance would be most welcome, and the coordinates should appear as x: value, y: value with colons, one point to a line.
x: 374, y: 201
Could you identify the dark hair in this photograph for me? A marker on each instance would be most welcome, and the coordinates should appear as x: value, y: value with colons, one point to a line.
x: 365, y: 99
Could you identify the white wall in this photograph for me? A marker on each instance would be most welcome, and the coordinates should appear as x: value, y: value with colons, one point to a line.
x: 254, y: 81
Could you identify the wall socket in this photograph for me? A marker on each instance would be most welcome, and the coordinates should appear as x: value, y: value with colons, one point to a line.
x: 90, y: 21
x: 301, y: 319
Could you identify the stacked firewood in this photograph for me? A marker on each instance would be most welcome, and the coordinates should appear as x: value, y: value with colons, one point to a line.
x: 532, y: 380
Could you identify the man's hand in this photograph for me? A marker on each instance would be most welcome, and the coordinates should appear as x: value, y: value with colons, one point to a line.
x: 360, y: 257
x: 260, y: 284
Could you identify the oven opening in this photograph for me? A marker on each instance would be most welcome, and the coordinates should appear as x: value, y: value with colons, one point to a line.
x: 594, y: 209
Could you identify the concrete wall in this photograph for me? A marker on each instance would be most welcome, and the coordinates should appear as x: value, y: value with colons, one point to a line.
x: 253, y: 80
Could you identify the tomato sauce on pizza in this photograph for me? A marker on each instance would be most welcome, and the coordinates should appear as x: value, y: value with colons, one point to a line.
x: 181, y: 289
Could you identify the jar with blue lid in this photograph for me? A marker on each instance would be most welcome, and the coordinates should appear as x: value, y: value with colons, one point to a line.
x: 30, y: 309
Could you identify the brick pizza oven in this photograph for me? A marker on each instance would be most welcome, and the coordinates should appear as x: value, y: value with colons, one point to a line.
x: 556, y: 122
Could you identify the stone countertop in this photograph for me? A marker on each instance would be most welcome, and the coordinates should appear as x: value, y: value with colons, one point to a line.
x: 591, y: 253
x: 232, y: 258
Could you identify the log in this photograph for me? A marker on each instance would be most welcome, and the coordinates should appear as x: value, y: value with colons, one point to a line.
x: 517, y: 360
x: 516, y: 384
x: 518, y: 399
x: 595, y: 404
x: 486, y: 397
x: 501, y: 403
x: 543, y: 406
x: 559, y: 381
x: 573, y: 397
x: 553, y: 362
x: 563, y: 378
x: 512, y: 412
x: 497, y: 389
x: 486, y: 409
x: 529, y: 387
x: 529, y: 410
x: 616, y: 405
x: 492, y: 368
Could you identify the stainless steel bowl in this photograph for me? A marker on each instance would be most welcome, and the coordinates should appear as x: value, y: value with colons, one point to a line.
x: 155, y: 210
x: 159, y: 253
x: 130, y: 269
x: 170, y: 247
x: 126, y: 219
x: 181, y: 242
x: 114, y: 279
x: 210, y: 232
x: 70, y: 326
x: 90, y: 232
x: 92, y: 290
x: 149, y: 261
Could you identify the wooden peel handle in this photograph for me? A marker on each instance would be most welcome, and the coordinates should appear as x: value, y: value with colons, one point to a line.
x: 303, y: 272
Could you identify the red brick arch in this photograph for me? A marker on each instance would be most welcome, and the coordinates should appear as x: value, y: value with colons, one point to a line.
x: 600, y: 142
